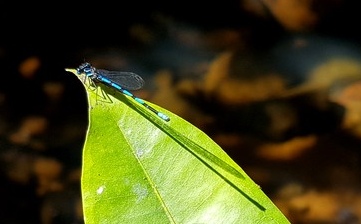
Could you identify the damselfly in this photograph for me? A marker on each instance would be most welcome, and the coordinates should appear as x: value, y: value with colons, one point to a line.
x: 120, y: 81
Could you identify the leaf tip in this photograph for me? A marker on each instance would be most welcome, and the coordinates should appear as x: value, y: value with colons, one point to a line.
x: 70, y: 70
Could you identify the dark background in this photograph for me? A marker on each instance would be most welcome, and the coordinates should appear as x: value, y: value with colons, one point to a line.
x: 295, y: 139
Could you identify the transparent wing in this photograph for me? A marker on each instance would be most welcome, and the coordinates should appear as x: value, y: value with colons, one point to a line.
x: 127, y: 80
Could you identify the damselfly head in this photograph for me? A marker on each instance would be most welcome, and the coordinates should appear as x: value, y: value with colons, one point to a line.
x: 85, y: 68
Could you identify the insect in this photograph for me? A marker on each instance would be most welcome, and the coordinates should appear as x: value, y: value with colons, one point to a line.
x: 120, y: 81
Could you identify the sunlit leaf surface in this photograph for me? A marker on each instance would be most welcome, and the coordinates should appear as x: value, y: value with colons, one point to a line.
x: 138, y: 168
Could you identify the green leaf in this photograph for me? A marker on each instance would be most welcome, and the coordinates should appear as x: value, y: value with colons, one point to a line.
x: 138, y: 168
